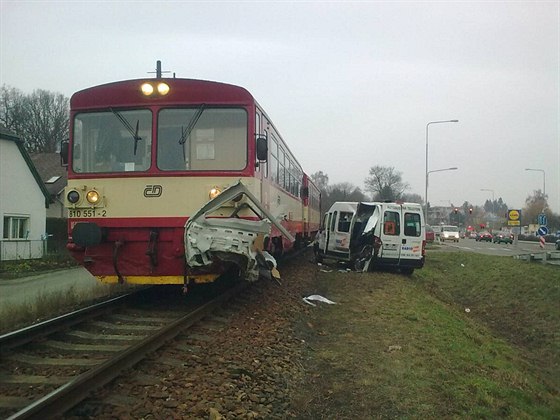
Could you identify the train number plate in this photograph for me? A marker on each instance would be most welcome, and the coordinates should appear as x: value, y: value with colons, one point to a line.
x: 87, y: 213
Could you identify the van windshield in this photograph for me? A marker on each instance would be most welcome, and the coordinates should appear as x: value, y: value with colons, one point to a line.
x: 451, y: 228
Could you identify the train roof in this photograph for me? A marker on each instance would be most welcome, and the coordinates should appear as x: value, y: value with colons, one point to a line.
x: 128, y: 93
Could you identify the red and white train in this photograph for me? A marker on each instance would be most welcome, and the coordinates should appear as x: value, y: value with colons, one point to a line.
x: 174, y: 181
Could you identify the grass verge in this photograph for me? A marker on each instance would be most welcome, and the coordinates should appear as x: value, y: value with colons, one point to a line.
x: 397, y: 346
x: 23, y: 268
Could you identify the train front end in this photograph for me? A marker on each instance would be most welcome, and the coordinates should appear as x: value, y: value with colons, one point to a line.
x: 146, y: 156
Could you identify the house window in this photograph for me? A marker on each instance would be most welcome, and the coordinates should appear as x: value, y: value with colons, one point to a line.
x: 16, y: 227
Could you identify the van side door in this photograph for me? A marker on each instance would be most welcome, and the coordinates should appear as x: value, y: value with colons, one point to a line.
x: 391, y: 236
x: 411, y: 248
x: 323, y: 232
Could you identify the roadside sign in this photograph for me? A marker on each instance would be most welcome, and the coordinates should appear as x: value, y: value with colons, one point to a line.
x: 541, y: 219
x: 514, y: 217
x: 543, y: 230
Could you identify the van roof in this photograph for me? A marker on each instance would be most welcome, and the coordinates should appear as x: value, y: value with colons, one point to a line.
x: 351, y: 206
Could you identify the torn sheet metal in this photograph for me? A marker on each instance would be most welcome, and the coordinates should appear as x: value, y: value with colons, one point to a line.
x: 232, y: 239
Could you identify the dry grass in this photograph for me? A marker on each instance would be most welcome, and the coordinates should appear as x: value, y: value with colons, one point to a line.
x: 47, y: 305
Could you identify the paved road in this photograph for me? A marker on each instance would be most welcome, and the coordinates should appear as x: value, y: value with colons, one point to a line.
x: 521, y: 248
x: 490, y: 248
x: 26, y: 290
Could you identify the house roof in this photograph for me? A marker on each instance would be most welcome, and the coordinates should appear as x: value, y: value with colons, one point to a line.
x: 5, y: 134
x: 52, y: 173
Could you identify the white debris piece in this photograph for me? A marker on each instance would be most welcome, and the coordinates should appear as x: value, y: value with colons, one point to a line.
x: 317, y: 298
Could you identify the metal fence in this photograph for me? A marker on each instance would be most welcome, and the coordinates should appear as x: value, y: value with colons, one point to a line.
x: 21, y: 249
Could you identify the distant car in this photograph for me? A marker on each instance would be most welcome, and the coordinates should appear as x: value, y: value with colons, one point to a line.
x: 484, y: 236
x: 473, y: 235
x: 430, y: 234
x: 449, y: 233
x: 505, y: 237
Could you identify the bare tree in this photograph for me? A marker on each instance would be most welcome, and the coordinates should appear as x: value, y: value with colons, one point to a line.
x: 534, y: 205
x: 412, y: 198
x: 40, y: 119
x: 344, y: 191
x: 321, y: 180
x: 385, y: 183
x: 13, y: 109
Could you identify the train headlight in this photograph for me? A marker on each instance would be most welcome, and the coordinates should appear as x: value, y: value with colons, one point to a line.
x: 147, y: 89
x: 92, y: 197
x: 73, y: 197
x: 214, y: 192
x: 163, y: 88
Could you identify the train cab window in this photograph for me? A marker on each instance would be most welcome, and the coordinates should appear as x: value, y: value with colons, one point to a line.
x: 115, y: 141
x: 202, y: 139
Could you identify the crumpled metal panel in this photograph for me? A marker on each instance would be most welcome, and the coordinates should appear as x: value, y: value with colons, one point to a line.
x: 231, y: 239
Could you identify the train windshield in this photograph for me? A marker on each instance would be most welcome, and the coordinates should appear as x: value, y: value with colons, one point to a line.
x: 112, y: 141
x: 202, y: 139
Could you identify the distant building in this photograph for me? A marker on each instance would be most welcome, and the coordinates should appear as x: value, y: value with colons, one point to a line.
x: 55, y: 178
x: 439, y: 215
x: 23, y: 202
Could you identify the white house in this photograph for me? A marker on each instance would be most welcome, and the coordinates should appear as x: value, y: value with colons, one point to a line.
x: 23, y: 202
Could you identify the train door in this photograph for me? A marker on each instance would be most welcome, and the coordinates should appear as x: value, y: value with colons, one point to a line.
x: 305, y: 201
x: 261, y: 172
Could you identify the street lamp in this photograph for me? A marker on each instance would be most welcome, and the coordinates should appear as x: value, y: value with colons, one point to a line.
x: 427, y: 172
x: 543, y: 179
x: 493, y: 201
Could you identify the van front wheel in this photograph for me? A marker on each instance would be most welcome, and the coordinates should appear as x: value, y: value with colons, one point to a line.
x: 362, y: 258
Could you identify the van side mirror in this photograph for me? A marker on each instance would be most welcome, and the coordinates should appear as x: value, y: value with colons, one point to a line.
x: 64, y: 153
x: 262, y: 149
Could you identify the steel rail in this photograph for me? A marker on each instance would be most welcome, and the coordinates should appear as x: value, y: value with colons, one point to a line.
x: 67, y: 396
x: 41, y: 329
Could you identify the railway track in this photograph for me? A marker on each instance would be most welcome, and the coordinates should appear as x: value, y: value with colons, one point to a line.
x: 48, y: 368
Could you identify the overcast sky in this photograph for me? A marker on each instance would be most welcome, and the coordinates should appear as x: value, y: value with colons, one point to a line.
x: 349, y: 85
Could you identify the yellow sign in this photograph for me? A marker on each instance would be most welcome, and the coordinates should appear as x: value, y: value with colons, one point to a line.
x: 514, y: 214
x: 513, y: 217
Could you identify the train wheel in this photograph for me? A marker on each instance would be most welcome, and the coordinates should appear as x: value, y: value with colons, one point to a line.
x: 276, y: 249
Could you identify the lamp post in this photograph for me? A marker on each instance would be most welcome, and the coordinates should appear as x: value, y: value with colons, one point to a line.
x: 427, y: 176
x: 543, y: 179
x: 427, y: 172
x: 493, y: 201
